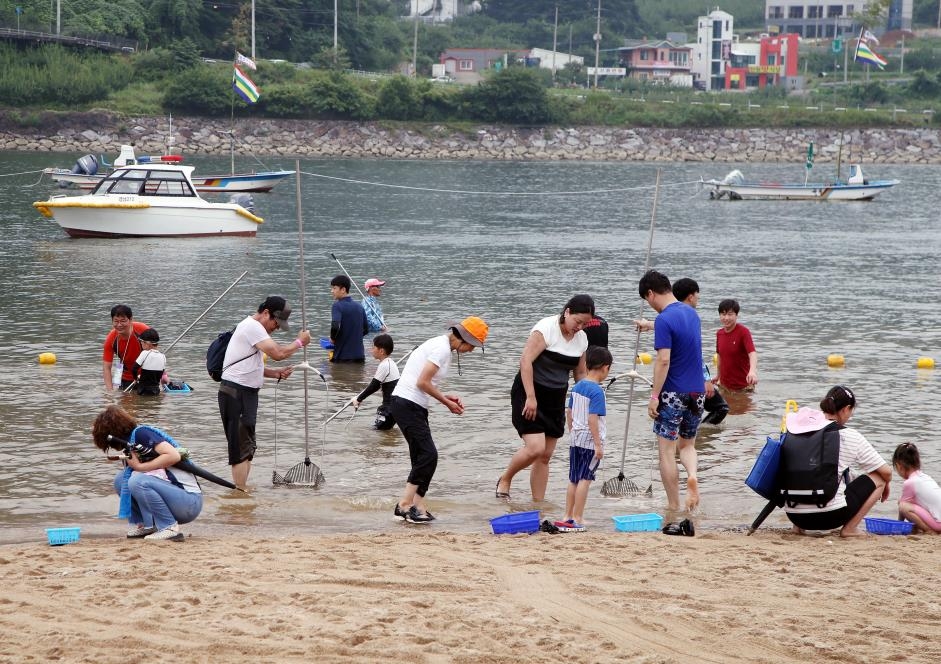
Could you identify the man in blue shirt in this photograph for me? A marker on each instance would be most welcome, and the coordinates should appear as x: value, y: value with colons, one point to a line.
x: 676, y: 400
x: 347, y: 323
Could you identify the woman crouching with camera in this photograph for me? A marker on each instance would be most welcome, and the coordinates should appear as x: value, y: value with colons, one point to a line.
x: 155, y: 498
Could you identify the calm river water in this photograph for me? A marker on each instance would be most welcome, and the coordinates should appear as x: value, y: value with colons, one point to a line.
x: 858, y: 279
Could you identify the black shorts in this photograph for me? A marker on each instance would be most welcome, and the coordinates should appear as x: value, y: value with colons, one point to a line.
x: 857, y: 493
x: 550, y: 409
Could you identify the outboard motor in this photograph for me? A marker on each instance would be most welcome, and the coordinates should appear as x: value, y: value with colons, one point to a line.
x: 245, y: 200
x: 87, y: 165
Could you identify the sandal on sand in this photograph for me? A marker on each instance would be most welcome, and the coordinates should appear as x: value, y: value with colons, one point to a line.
x: 547, y: 527
x: 502, y: 495
x: 569, y: 526
x: 684, y: 528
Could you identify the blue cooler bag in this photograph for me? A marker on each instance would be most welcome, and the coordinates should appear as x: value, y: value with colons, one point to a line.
x: 763, y: 478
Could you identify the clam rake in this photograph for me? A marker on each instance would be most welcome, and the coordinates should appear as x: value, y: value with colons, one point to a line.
x: 621, y: 486
x: 306, y: 473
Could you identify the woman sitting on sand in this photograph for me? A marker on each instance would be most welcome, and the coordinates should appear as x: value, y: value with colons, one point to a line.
x: 853, y: 500
x: 155, y: 499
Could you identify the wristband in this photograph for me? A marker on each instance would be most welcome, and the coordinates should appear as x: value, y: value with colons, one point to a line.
x: 655, y: 397
x: 300, y: 344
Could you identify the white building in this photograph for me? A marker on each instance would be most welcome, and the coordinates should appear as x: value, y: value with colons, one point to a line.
x: 814, y: 19
x: 548, y: 60
x: 712, y: 50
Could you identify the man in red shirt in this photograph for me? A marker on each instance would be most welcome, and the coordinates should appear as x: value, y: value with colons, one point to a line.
x: 122, y: 342
x: 738, y: 359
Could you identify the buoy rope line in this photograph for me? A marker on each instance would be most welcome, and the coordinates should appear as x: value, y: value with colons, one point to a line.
x: 469, y: 192
x: 10, y: 175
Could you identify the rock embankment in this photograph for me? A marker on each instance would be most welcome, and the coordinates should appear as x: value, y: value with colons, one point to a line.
x: 102, y: 133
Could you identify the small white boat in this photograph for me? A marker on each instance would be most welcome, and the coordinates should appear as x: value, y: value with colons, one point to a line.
x: 150, y: 200
x: 735, y: 187
x: 85, y: 175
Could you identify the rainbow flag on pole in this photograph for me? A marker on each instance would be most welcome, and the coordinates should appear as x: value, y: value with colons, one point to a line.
x: 244, y: 87
x: 867, y: 56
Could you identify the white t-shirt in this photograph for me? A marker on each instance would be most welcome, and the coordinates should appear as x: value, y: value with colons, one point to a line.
x: 553, y: 365
x: 250, y: 372
x: 437, y: 351
x: 152, y: 360
x: 854, y: 450
x: 387, y: 371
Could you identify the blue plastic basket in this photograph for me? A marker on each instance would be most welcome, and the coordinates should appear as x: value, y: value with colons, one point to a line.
x: 637, y: 523
x: 515, y: 522
x: 60, y: 536
x: 888, y: 526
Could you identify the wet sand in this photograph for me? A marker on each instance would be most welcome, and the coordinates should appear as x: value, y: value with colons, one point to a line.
x: 425, y: 595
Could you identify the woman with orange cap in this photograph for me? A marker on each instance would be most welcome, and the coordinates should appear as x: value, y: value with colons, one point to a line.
x: 418, y: 384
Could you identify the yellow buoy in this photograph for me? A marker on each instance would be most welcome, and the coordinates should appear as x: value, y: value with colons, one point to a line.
x: 715, y: 359
x: 835, y: 361
x: 47, y: 358
x: 644, y: 358
x: 925, y: 363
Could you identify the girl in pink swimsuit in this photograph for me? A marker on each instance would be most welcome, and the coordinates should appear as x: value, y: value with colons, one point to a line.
x: 920, y: 501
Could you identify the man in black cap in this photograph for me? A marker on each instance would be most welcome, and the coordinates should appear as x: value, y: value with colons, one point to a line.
x: 243, y: 374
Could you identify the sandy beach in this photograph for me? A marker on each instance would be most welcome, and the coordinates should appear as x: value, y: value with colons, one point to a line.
x: 425, y: 595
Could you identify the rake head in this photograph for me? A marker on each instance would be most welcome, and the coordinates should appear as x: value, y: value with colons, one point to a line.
x: 620, y: 486
x: 304, y: 474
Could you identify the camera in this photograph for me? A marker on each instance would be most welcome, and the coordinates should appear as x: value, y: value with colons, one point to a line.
x: 144, y: 452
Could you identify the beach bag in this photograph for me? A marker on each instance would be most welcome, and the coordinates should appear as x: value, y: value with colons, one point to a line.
x: 215, y: 355
x: 763, y: 478
x: 808, y: 473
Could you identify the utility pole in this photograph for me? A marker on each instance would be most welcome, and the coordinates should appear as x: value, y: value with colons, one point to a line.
x: 335, y: 53
x: 846, y: 57
x: 59, y: 17
x: 253, y: 30
x: 902, y: 56
x: 415, y: 46
x: 555, y: 41
x: 597, y: 43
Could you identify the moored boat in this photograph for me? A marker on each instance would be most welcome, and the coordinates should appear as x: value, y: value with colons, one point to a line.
x: 735, y: 187
x: 85, y: 175
x: 150, y: 200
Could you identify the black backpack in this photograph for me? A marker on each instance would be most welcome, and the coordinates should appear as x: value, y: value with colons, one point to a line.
x: 809, y: 470
x: 215, y: 355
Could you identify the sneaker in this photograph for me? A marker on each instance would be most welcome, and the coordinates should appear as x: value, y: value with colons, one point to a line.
x: 170, y: 533
x: 414, y: 516
x: 569, y: 526
x: 140, y: 531
x: 398, y: 513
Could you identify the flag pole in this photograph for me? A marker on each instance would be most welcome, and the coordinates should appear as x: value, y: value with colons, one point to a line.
x: 232, y: 117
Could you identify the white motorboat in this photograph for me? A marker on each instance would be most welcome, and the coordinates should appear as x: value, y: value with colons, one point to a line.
x: 150, y: 200
x: 85, y: 175
x: 735, y: 187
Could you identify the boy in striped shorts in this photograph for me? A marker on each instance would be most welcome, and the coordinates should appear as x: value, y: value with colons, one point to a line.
x: 585, y: 413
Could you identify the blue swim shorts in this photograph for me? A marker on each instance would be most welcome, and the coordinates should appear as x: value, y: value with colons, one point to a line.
x: 582, y: 464
x: 679, y: 415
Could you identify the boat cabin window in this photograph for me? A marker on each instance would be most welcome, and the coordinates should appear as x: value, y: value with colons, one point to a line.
x: 142, y: 182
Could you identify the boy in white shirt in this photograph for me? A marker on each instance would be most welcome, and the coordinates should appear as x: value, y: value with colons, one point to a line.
x: 386, y: 377
x: 150, y: 368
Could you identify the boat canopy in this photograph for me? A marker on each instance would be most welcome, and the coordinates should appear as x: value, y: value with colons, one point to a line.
x: 146, y: 182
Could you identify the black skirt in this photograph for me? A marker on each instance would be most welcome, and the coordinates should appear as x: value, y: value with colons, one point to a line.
x: 550, y: 409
